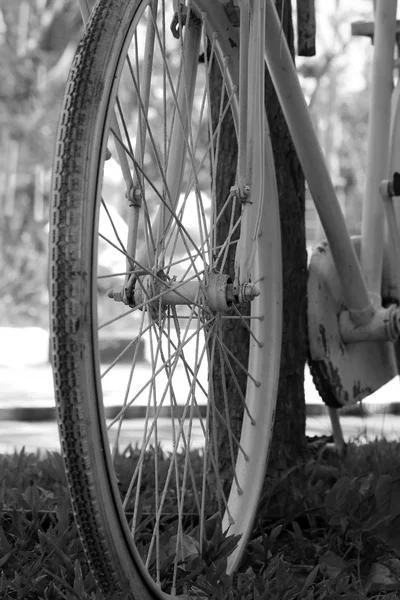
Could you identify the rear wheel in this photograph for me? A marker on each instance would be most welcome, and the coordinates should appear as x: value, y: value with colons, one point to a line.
x: 137, y: 150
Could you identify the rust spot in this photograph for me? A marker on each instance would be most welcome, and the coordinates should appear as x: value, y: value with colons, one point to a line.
x: 322, y: 333
x: 358, y: 390
x: 335, y: 381
x: 322, y: 247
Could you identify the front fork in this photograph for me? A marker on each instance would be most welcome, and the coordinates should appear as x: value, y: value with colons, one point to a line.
x: 251, y: 161
x: 250, y: 183
x: 147, y: 257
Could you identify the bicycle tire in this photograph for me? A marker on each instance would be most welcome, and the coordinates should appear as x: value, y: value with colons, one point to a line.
x: 77, y: 299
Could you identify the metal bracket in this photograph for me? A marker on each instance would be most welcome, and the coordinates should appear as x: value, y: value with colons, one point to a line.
x: 135, y: 197
x: 242, y: 193
x: 392, y: 187
x: 384, y: 326
x: 366, y: 29
x: 179, y: 18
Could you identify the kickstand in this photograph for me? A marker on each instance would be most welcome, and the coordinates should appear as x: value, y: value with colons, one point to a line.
x: 339, y: 446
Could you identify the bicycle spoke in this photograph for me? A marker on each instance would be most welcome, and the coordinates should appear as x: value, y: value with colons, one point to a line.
x: 174, y: 352
x: 145, y: 234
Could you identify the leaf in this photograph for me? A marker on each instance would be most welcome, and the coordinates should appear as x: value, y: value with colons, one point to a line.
x: 343, y: 487
x: 336, y: 498
x: 308, y: 582
x: 333, y: 563
x: 273, y: 535
x: 383, y: 493
x: 65, y: 560
x: 31, y: 495
x: 213, y: 528
x: 5, y: 558
x: 395, y: 499
x: 298, y: 534
x: 63, y: 583
x: 228, y: 545
x: 365, y: 484
x: 394, y: 534
x: 187, y: 547
x: 79, y: 586
x: 4, y: 544
x: 394, y: 566
x: 380, y: 579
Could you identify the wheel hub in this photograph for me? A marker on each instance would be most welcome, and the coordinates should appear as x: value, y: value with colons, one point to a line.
x: 158, y: 291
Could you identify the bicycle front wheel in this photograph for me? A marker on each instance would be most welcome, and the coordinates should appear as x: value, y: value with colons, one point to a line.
x: 174, y: 427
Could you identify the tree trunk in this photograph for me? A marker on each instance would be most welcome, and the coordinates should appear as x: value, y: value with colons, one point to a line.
x: 233, y: 333
x: 289, y: 432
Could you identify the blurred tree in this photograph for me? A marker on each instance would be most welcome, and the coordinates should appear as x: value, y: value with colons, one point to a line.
x: 336, y: 83
x: 37, y: 43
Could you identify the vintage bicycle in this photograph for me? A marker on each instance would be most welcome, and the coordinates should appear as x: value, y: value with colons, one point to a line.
x: 143, y: 243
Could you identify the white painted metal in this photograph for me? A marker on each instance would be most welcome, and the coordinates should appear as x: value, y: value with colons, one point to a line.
x: 349, y: 372
x: 243, y: 96
x: 255, y: 174
x: 178, y: 145
x: 394, y: 165
x: 394, y: 235
x: 394, y: 145
x: 372, y: 230
x: 340, y: 444
x: 174, y: 294
x: 85, y: 10
x: 257, y: 431
x: 380, y: 327
x: 138, y: 184
x: 294, y: 106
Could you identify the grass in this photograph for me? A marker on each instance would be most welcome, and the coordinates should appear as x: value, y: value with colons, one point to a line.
x: 326, y: 529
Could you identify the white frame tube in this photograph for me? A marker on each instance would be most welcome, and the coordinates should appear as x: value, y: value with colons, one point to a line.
x: 373, y: 222
x: 295, y: 109
x: 179, y: 143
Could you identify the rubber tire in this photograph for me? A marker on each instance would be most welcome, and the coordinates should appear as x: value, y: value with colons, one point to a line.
x: 102, y: 526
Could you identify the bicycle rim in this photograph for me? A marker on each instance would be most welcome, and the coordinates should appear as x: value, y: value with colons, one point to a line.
x: 141, y: 430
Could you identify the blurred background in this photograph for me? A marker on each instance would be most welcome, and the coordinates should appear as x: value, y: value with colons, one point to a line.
x: 38, y: 39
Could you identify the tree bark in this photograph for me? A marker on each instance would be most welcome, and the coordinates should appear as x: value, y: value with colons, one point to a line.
x: 289, y: 432
x: 233, y: 334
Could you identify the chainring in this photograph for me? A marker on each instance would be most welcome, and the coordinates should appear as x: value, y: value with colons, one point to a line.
x: 343, y: 374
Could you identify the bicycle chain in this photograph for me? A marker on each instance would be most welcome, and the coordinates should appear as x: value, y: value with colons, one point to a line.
x: 321, y: 381
x: 319, y: 377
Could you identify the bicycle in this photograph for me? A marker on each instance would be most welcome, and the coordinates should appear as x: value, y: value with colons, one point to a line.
x: 193, y: 266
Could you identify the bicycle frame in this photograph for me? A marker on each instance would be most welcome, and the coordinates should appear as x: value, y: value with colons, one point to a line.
x: 361, y: 282
x: 360, y: 279
x: 372, y: 236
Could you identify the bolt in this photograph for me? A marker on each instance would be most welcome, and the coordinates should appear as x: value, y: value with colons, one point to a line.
x: 250, y: 292
x: 134, y: 196
x: 116, y: 295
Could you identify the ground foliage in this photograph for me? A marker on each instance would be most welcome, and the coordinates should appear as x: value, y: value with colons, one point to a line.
x: 327, y: 529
